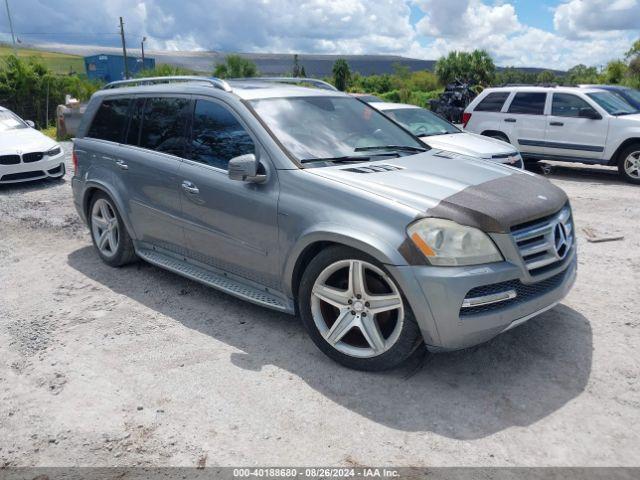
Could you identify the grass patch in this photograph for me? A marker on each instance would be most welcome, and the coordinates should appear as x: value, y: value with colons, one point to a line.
x: 61, y: 63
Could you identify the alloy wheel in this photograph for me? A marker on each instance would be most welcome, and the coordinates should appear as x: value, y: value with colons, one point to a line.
x: 105, y: 228
x: 632, y: 165
x: 357, y: 308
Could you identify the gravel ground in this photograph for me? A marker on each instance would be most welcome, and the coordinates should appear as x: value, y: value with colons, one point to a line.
x: 138, y: 366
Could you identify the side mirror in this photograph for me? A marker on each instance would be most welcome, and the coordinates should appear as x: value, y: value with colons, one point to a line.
x: 589, y: 113
x: 30, y: 123
x: 245, y: 168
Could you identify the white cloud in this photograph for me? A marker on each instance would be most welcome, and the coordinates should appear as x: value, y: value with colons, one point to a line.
x: 470, y: 24
x: 581, y: 18
x: 343, y: 27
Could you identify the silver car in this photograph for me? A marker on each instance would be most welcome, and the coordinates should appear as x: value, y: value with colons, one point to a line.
x: 438, y: 133
x: 311, y: 202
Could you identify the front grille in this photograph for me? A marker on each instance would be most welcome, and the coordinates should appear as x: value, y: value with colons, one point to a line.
x: 32, y: 157
x: 9, y: 159
x: 524, y: 292
x: 544, y: 244
x: 22, y: 176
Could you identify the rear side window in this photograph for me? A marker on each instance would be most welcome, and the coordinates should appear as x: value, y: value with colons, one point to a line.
x: 217, y: 136
x: 110, y: 120
x: 531, y: 103
x: 492, y: 102
x: 164, y: 122
x: 567, y: 105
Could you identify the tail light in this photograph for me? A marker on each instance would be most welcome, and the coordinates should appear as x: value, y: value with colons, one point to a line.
x: 466, y: 116
x: 74, y: 159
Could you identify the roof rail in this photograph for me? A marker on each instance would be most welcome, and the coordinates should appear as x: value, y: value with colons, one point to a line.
x: 312, y: 81
x: 213, y: 81
x: 548, y: 85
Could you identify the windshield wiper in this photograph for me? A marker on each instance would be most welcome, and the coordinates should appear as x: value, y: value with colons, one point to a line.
x: 349, y: 158
x: 405, y: 148
x: 620, y: 113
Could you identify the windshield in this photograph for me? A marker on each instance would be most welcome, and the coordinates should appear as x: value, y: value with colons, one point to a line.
x: 613, y: 104
x: 317, y: 128
x: 421, y: 122
x: 631, y: 95
x: 10, y: 121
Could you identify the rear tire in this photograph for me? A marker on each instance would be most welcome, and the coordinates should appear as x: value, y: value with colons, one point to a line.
x: 629, y: 164
x: 362, y: 320
x: 109, y: 233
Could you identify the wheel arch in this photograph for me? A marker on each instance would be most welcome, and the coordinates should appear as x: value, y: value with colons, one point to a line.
x: 313, y: 242
x: 615, y: 158
x: 489, y: 133
x: 91, y: 189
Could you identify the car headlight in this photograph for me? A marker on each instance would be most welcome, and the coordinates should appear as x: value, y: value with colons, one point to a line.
x: 444, y: 242
x: 54, y: 151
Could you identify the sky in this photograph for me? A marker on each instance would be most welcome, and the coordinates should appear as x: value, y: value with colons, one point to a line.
x: 536, y: 33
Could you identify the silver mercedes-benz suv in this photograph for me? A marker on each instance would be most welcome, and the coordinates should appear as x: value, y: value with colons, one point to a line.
x: 311, y: 202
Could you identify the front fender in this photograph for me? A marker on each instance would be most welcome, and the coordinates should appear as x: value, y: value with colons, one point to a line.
x: 370, y: 244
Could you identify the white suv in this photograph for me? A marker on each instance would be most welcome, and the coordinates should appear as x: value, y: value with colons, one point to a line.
x: 571, y: 124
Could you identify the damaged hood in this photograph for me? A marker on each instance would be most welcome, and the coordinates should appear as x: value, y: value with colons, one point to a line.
x: 442, y: 184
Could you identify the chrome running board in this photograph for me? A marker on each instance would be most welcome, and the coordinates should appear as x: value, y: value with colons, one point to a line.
x: 212, y: 279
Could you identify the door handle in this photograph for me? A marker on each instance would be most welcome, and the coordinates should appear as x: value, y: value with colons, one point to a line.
x: 556, y: 124
x: 189, y: 187
x: 120, y: 163
x: 510, y: 120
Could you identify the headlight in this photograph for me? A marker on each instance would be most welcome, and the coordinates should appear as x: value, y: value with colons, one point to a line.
x: 444, y: 242
x: 54, y: 151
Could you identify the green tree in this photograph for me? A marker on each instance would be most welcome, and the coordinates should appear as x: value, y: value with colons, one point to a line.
x: 634, y: 51
x: 32, y: 91
x: 615, y: 71
x: 303, y: 73
x: 545, y: 77
x: 235, y: 66
x: 476, y: 68
x: 582, y: 74
x: 341, y: 74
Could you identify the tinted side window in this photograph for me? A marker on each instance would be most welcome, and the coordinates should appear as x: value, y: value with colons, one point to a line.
x: 492, y: 102
x: 110, y: 120
x: 567, y: 105
x: 164, y: 125
x: 531, y: 103
x: 217, y: 136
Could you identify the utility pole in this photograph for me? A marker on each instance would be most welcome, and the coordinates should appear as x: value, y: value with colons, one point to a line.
x: 144, y: 39
x: 13, y: 36
x: 124, y: 50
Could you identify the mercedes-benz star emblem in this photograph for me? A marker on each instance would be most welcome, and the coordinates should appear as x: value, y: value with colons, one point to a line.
x: 560, y: 241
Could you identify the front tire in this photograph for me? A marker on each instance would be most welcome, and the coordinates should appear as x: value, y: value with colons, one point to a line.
x: 355, y: 312
x: 629, y: 164
x: 108, y: 232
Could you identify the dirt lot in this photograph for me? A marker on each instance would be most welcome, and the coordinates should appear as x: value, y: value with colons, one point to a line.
x: 138, y: 366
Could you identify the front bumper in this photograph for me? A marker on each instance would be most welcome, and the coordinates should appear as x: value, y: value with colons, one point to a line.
x: 48, y: 167
x: 436, y: 296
